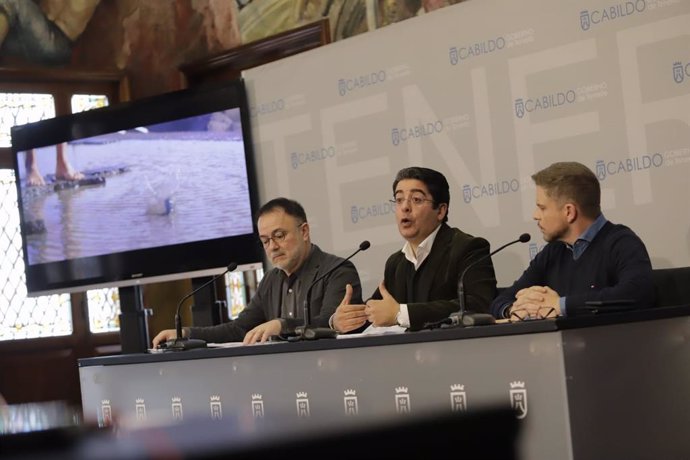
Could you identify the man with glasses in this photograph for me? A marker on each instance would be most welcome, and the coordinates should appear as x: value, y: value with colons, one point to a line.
x: 276, y: 308
x: 420, y: 283
x: 587, y: 258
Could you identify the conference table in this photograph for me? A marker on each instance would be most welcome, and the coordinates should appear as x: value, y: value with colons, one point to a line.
x: 613, y: 385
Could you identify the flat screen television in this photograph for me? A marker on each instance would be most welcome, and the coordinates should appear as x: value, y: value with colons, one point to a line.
x: 168, y: 191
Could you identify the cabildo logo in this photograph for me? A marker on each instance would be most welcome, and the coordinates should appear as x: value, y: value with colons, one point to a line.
x: 399, y: 135
x: 680, y: 71
x: 265, y: 108
x: 491, y: 45
x: 461, y: 53
x: 549, y: 101
x: 488, y: 190
x: 360, y: 213
x: 346, y: 85
x: 301, y: 158
x: 639, y: 163
x: 610, y: 13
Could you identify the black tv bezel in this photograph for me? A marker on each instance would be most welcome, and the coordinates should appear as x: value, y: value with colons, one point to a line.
x: 142, y: 266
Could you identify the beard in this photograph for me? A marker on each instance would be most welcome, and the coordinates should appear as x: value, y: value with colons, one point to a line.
x: 555, y: 235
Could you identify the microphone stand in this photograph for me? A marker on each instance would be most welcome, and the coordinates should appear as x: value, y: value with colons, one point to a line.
x: 185, y: 343
x: 461, y: 318
x: 307, y: 332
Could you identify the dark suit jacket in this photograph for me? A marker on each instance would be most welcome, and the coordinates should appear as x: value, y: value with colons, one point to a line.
x: 325, y: 297
x: 431, y: 292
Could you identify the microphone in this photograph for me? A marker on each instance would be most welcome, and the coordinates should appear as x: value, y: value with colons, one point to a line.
x: 185, y: 343
x: 307, y: 332
x: 461, y: 318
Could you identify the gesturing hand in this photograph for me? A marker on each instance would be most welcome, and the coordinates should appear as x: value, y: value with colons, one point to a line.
x: 383, y: 312
x: 348, y: 317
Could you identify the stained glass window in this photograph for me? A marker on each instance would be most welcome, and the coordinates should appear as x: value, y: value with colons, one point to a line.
x: 82, y: 102
x: 20, y: 109
x: 22, y: 317
x: 236, y: 289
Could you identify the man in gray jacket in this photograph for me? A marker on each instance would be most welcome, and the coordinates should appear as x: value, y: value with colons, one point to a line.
x: 276, y: 308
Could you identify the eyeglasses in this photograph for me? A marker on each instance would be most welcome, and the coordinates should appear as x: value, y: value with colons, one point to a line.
x: 278, y: 236
x: 541, y: 313
x: 414, y: 200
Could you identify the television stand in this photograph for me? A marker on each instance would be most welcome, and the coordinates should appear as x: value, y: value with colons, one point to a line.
x: 134, y: 328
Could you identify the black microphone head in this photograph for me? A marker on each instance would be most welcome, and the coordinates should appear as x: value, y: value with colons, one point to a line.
x: 364, y: 245
x: 232, y: 265
x: 525, y: 237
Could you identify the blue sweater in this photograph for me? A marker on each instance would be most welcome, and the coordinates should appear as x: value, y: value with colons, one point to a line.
x: 614, y: 266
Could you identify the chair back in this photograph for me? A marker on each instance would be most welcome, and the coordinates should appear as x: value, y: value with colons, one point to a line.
x: 672, y: 286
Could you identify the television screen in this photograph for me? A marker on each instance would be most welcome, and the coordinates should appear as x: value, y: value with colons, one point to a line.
x: 151, y: 190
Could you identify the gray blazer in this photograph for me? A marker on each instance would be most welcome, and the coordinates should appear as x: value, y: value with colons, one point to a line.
x: 325, y: 297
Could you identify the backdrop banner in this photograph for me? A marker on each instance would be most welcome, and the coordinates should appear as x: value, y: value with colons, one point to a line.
x: 488, y: 92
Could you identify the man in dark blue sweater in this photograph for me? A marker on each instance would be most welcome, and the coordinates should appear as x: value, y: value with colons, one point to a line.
x: 587, y: 258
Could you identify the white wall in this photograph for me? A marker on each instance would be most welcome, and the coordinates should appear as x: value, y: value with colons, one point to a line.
x: 606, y: 83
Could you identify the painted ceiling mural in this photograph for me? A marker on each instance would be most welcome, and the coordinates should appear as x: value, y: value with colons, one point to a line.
x: 261, y: 18
x: 146, y: 39
x: 150, y: 39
